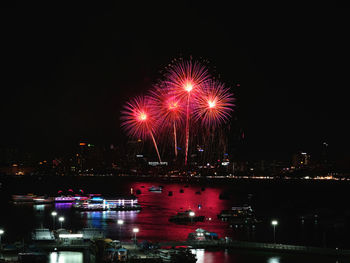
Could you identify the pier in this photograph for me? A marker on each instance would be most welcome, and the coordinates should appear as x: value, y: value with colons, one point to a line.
x: 223, y: 244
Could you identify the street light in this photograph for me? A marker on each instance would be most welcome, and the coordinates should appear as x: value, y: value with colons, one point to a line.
x: 191, y: 214
x: 61, y: 219
x: 274, y: 223
x: 54, y: 214
x: 120, y: 222
x: 1, y: 233
x: 135, y: 230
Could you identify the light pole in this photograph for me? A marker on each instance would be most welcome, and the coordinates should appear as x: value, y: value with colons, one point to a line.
x: 1, y: 233
x: 274, y: 223
x: 120, y: 222
x: 191, y: 214
x: 61, y: 219
x: 135, y: 230
x: 54, y: 214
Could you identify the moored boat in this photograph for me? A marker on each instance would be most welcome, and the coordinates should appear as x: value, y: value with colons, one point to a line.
x: 98, y: 203
x: 186, y: 216
x: 155, y: 189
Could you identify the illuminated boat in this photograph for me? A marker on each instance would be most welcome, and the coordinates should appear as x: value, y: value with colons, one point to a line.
x: 23, y: 198
x: 202, y: 235
x: 70, y: 197
x: 236, y: 212
x: 39, y: 200
x: 186, y: 216
x: 98, y: 203
x: 156, y: 189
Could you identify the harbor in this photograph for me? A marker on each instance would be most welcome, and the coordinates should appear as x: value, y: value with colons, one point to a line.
x: 164, y: 223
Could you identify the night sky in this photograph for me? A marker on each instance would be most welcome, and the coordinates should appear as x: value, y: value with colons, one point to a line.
x: 68, y: 69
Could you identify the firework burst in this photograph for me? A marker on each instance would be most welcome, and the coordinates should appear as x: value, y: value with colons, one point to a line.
x: 215, y: 104
x: 185, y: 80
x: 139, y: 120
x: 169, y: 108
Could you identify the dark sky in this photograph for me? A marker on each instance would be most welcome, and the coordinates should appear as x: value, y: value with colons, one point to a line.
x: 67, y: 69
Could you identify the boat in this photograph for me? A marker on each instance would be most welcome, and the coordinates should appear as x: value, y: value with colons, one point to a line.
x: 98, y: 203
x: 155, y: 189
x: 236, y: 212
x: 202, y: 235
x: 182, y: 191
x: 243, y: 215
x: 170, y: 193
x: 28, y: 198
x: 40, y: 200
x: 170, y: 255
x: 186, y: 216
x: 198, y: 193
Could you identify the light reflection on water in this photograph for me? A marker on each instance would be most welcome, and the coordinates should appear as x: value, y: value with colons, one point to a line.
x: 66, y: 257
x: 273, y: 260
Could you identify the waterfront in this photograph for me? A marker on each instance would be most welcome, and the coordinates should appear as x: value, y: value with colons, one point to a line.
x: 281, y: 200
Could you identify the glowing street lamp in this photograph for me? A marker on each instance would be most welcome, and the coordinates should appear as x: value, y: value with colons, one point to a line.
x: 54, y: 214
x: 61, y: 219
x: 120, y: 222
x: 135, y: 230
x: 1, y: 233
x: 274, y: 223
x: 191, y: 214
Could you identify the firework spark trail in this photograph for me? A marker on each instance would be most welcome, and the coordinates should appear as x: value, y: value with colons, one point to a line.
x: 185, y: 78
x: 155, y: 145
x: 187, y: 127
x: 168, y: 108
x: 215, y: 104
x: 175, y: 140
x: 138, y: 118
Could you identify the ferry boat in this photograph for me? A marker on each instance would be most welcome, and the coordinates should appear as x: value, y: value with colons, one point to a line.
x: 70, y: 197
x: 155, y: 189
x: 98, y: 203
x: 186, y: 216
x: 23, y: 198
x: 239, y: 216
x: 202, y: 235
x: 39, y: 200
x: 236, y: 212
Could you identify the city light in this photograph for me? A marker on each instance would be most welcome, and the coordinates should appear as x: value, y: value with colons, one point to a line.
x: 61, y: 219
x: 120, y: 222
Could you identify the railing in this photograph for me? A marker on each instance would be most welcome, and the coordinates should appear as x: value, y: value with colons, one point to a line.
x: 254, y: 245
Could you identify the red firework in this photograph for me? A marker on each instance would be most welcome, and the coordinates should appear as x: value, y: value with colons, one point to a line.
x: 185, y: 77
x: 169, y: 108
x: 185, y: 80
x: 139, y: 120
x: 215, y: 104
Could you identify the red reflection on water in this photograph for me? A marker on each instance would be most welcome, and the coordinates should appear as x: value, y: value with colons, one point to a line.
x: 157, y: 208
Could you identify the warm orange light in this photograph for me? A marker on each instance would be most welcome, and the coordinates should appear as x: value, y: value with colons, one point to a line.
x: 82, y: 143
x: 172, y: 106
